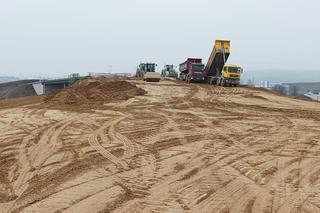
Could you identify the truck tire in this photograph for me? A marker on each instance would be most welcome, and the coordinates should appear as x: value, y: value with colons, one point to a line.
x: 214, y: 81
x: 223, y: 84
x: 189, y: 79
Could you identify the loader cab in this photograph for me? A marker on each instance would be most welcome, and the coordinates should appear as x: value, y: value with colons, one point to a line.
x: 148, y: 67
x: 169, y: 67
x: 169, y: 71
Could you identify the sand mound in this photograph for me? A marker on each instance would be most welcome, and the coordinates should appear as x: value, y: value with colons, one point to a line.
x: 96, y: 90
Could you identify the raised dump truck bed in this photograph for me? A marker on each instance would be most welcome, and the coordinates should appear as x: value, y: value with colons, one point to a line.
x: 216, y: 70
x: 218, y: 58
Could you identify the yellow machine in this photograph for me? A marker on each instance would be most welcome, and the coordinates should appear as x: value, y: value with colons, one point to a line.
x: 216, y: 70
x: 231, y: 75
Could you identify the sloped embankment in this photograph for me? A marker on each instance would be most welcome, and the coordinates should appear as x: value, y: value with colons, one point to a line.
x: 17, y: 89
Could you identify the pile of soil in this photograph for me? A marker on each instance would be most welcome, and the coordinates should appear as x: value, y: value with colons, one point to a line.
x: 95, y: 90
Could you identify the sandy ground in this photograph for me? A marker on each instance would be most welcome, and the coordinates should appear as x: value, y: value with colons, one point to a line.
x: 180, y: 148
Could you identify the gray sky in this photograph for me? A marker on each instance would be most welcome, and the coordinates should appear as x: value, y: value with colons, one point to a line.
x: 52, y: 38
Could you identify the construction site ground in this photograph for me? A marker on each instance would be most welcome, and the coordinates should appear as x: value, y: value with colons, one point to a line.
x: 178, y: 148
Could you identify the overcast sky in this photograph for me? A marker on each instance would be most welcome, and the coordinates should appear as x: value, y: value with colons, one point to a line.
x: 57, y: 37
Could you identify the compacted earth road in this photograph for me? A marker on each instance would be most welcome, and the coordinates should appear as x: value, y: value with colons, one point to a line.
x: 178, y: 148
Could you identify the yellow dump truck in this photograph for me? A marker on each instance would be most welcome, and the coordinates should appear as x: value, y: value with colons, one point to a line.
x: 230, y: 75
x: 216, y: 70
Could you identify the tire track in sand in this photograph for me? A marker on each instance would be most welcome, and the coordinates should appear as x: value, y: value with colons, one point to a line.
x: 33, y: 161
x: 116, y: 137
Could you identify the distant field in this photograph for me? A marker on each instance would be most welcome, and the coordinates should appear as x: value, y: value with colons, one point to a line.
x: 281, y: 76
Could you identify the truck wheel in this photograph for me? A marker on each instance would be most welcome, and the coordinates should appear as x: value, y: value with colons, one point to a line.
x: 214, y: 81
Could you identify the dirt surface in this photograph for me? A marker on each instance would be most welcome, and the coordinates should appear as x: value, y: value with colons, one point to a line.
x: 95, y: 90
x: 178, y: 148
x: 17, y: 89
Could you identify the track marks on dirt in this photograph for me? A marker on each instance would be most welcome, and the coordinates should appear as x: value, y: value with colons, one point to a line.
x: 100, y: 135
x: 208, y: 148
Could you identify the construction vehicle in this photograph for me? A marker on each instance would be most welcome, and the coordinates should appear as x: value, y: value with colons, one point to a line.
x: 216, y: 72
x: 230, y: 75
x: 147, y: 71
x: 192, y: 70
x: 169, y: 71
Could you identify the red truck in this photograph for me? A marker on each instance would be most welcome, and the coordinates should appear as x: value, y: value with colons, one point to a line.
x: 192, y: 70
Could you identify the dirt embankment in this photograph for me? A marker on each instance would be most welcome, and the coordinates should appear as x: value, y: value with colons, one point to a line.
x: 180, y: 148
x: 17, y: 89
x: 95, y: 90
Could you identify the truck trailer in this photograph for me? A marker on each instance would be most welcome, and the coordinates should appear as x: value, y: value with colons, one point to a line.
x: 192, y: 70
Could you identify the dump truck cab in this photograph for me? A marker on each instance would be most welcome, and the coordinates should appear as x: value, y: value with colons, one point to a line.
x: 231, y: 75
x: 196, y: 73
x: 192, y: 70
